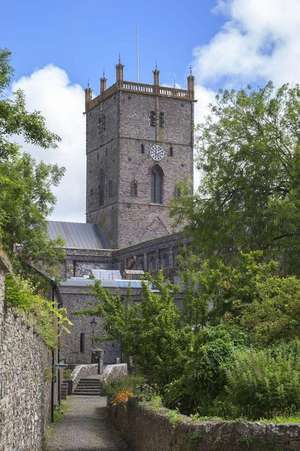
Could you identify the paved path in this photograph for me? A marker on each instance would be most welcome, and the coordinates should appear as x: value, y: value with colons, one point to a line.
x: 85, y: 427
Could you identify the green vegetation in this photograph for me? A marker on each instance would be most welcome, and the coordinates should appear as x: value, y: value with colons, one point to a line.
x: 59, y: 411
x: 130, y: 383
x: 232, y: 350
x: 249, y: 196
x: 25, y: 186
x: 47, y: 317
x: 25, y: 202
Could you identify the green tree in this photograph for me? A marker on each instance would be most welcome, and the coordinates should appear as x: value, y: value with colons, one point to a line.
x: 249, y: 158
x: 150, y: 331
x: 25, y: 186
x: 274, y: 314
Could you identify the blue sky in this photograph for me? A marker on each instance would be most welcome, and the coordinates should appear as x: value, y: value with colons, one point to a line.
x: 59, y: 46
x: 85, y: 37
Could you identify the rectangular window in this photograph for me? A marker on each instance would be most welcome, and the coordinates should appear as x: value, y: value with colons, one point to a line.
x: 171, y: 153
x: 142, y: 148
x: 82, y: 342
x: 162, y: 120
x: 110, y: 188
x: 153, y: 119
x: 101, y: 123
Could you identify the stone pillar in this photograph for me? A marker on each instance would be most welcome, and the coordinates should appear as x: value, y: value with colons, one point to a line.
x: 156, y: 80
x: 119, y: 73
x: 88, y: 96
x: 191, y: 84
x: 103, y: 81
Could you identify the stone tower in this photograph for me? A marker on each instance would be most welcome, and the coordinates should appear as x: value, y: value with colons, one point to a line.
x: 139, y: 144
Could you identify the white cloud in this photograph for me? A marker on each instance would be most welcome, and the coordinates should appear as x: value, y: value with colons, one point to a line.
x: 61, y: 103
x: 259, y: 40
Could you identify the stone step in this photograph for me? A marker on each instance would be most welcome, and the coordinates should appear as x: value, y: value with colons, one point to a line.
x: 87, y: 387
x: 86, y: 393
x: 89, y: 380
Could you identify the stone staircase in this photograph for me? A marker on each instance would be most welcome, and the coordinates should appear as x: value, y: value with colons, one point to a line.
x: 88, y: 387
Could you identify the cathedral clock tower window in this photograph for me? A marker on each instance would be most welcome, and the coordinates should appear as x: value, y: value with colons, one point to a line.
x: 157, y: 185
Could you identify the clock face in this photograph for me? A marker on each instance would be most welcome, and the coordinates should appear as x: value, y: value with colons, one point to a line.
x: 157, y: 153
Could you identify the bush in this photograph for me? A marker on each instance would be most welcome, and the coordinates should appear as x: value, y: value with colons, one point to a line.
x: 203, y: 377
x: 128, y: 383
x: 263, y: 383
x: 20, y: 294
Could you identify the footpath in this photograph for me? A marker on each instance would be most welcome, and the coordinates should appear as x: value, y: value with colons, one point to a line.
x: 85, y: 427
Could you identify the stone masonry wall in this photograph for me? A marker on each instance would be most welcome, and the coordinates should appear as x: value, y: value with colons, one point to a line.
x: 119, y: 155
x: 75, y: 299
x: 25, y: 390
x: 146, y: 429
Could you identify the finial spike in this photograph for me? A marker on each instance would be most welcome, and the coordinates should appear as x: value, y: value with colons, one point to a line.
x: 191, y: 70
x: 119, y: 58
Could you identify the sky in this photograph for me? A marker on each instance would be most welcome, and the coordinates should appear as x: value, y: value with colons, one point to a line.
x: 59, y: 47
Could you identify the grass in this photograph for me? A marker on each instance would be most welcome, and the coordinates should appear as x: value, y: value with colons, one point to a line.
x: 280, y: 420
x: 59, y: 411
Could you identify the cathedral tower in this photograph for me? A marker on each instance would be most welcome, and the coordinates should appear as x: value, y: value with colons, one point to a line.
x: 139, y: 145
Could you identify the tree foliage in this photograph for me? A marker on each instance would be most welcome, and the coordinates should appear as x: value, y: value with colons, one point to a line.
x: 249, y: 159
x: 149, y: 331
x: 25, y: 186
x: 45, y: 315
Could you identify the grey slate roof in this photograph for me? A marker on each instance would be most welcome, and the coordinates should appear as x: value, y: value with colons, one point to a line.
x: 78, y: 235
x: 82, y: 282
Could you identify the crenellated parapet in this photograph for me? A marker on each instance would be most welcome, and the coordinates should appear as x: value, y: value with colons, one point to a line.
x: 154, y: 89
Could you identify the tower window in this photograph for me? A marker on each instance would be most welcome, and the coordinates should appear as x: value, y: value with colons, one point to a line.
x: 152, y: 118
x: 101, y: 195
x: 101, y: 186
x: 110, y: 188
x: 101, y: 123
x: 142, y: 148
x: 157, y: 176
x: 82, y: 342
x: 134, y: 188
x: 162, y: 119
x: 171, y: 151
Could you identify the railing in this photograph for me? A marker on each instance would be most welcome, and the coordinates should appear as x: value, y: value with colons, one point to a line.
x: 138, y: 87
x: 141, y: 88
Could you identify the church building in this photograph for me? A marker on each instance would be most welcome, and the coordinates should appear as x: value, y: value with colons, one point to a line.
x: 139, y: 146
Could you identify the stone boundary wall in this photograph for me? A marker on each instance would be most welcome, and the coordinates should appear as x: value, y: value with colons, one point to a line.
x: 146, y: 429
x: 25, y: 380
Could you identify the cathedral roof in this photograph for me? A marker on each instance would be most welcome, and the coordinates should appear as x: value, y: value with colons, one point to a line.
x: 78, y: 235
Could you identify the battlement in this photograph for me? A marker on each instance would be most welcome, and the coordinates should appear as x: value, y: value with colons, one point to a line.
x: 154, y: 89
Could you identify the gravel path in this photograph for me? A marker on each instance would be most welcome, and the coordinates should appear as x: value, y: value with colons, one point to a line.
x: 85, y: 427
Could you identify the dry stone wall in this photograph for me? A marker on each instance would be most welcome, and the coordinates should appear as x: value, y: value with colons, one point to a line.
x: 146, y: 429
x: 25, y: 385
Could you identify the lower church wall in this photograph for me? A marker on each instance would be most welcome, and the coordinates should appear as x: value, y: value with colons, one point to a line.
x: 76, y: 347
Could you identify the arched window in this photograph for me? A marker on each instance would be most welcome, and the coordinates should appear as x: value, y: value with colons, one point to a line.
x: 134, y: 188
x: 101, y: 186
x: 157, y: 176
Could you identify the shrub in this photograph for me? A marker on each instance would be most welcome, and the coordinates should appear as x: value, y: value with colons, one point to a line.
x: 122, y: 397
x: 203, y: 377
x: 19, y: 293
x: 129, y: 383
x: 264, y: 383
